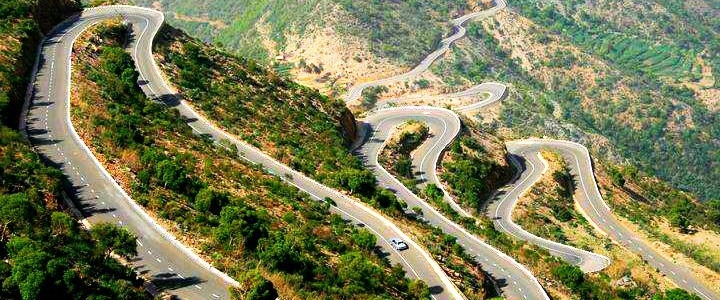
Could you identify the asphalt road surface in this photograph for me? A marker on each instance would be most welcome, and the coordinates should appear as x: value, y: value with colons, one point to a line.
x: 514, y: 280
x: 501, y: 213
x: 355, y: 92
x: 597, y: 211
x: 444, y: 126
x: 172, y: 266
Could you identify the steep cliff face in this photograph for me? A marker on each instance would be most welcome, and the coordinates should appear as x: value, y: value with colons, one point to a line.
x: 349, y: 125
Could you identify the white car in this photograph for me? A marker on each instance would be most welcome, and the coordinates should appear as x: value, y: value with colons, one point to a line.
x: 398, y: 244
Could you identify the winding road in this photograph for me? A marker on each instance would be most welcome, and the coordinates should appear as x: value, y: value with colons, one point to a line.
x: 355, y: 92
x: 177, y: 269
x: 515, y: 281
x: 170, y: 265
x: 444, y: 126
x: 593, y: 207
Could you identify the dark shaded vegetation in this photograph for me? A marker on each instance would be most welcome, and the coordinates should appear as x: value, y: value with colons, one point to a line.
x: 253, y: 226
x: 371, y: 95
x: 45, y: 253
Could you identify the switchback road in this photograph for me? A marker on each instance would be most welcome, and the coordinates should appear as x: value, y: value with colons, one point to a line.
x: 444, y: 126
x: 163, y: 258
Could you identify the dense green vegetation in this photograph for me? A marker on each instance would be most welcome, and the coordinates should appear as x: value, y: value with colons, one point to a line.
x: 251, y: 224
x: 648, y: 132
x: 645, y: 117
x: 631, y: 53
x: 470, y: 174
x: 45, y: 253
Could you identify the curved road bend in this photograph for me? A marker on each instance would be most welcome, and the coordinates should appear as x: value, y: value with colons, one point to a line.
x: 494, y: 91
x: 459, y: 31
x: 430, y: 150
x: 515, y: 281
x: 594, y: 207
x: 501, y: 213
x: 161, y: 256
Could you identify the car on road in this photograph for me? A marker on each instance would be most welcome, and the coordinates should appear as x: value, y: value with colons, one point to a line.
x: 398, y: 244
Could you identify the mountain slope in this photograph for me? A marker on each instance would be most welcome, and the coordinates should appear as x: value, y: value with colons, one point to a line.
x: 648, y: 65
x: 44, y: 251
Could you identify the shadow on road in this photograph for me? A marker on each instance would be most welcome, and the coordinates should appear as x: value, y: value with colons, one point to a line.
x: 436, y: 289
x: 171, y: 281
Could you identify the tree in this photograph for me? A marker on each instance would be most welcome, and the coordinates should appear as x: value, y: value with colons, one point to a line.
x: 360, y: 181
x: 569, y: 275
x: 359, y: 274
x: 714, y: 211
x: 114, y: 239
x: 404, y: 166
x: 253, y: 286
x: 15, y: 211
x: 433, y: 192
x: 680, y: 214
x: 617, y: 177
x: 280, y: 254
x: 263, y: 289
x: 171, y: 174
x: 364, y: 239
x: 675, y: 294
x: 62, y: 224
x: 243, y: 224
x: 210, y: 200
x: 418, y: 289
x: 28, y: 272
